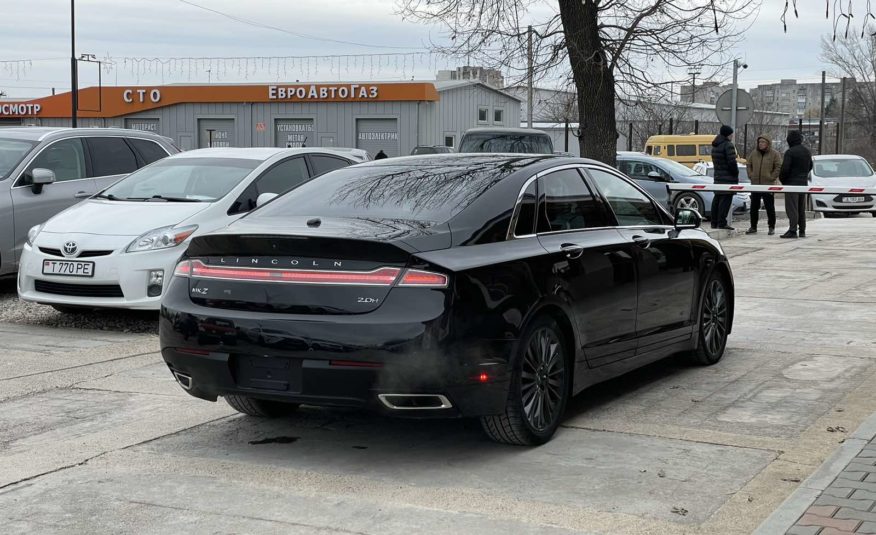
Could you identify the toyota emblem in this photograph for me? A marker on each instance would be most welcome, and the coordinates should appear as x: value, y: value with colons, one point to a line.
x: 70, y: 248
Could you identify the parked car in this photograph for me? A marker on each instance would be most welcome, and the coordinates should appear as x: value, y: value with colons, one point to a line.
x: 843, y: 170
x: 654, y: 173
x: 516, y: 140
x: 490, y: 286
x: 685, y: 149
x: 117, y: 248
x: 741, y: 201
x: 431, y: 149
x: 45, y: 170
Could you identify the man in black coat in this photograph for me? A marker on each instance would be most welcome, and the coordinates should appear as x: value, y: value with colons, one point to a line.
x: 796, y: 166
x: 726, y: 172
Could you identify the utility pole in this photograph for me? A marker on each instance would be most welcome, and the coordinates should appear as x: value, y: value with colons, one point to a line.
x: 74, y: 76
x: 841, y: 131
x: 693, y: 93
x: 529, y: 76
x: 735, y: 89
x: 821, y: 114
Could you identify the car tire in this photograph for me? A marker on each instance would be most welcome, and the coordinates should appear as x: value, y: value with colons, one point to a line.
x: 540, y: 381
x: 690, y: 201
x: 260, y: 407
x: 714, y: 322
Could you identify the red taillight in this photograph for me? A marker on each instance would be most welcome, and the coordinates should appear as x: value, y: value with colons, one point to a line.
x: 428, y: 279
x: 379, y: 277
x: 483, y: 377
x: 183, y: 269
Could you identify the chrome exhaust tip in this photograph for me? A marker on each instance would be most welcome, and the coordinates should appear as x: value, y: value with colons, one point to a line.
x: 184, y: 380
x: 407, y: 402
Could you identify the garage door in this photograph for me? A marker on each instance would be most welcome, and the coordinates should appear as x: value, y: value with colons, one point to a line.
x: 146, y: 125
x: 293, y: 133
x: 216, y: 133
x: 375, y: 135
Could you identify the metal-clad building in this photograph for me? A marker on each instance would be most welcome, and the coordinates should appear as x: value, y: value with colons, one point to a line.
x: 392, y: 117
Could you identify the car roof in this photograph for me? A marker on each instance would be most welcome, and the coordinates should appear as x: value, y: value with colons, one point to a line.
x: 40, y: 133
x: 255, y: 153
x: 838, y: 157
x: 505, y: 130
x: 462, y: 159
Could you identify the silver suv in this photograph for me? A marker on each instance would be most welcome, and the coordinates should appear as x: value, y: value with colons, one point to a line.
x: 45, y: 170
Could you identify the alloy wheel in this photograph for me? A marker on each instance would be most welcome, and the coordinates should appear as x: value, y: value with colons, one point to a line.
x: 714, y: 320
x: 542, y: 379
x: 688, y: 202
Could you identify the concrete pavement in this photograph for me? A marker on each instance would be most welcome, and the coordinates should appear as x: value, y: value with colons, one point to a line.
x: 96, y: 437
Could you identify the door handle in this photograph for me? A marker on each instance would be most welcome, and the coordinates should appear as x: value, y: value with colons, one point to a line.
x: 82, y: 195
x: 641, y: 241
x: 573, y: 251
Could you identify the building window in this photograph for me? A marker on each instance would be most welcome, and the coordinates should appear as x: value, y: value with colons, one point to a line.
x: 449, y: 141
x: 498, y: 116
x: 483, y: 115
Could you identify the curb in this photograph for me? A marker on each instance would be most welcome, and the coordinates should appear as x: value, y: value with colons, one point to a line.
x: 783, y: 518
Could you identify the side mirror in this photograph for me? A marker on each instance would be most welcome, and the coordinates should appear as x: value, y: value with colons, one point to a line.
x: 41, y: 177
x: 687, y: 219
x: 654, y: 175
x: 264, y: 198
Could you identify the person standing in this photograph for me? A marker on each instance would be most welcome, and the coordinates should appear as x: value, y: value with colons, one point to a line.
x: 795, y: 170
x: 764, y: 164
x: 726, y: 172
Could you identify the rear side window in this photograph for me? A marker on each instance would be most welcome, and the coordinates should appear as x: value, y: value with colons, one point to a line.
x: 110, y: 156
x: 705, y: 150
x: 685, y: 150
x: 66, y: 158
x: 567, y: 203
x: 323, y: 164
x: 526, y: 213
x: 670, y: 150
x: 150, y: 151
x: 283, y: 176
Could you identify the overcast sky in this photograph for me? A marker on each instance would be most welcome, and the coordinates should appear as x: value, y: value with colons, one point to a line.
x: 40, y: 30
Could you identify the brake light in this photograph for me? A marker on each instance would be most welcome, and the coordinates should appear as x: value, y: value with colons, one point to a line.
x: 423, y: 279
x: 183, y: 269
x: 379, y: 277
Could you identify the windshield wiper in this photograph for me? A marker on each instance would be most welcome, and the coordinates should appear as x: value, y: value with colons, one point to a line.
x: 171, y: 199
x: 109, y: 197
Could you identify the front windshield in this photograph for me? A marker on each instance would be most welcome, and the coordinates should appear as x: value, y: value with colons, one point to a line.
x: 12, y: 151
x: 843, y: 167
x: 182, y: 179
x: 506, y: 142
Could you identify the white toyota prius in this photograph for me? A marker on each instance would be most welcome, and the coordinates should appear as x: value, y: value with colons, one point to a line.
x: 117, y: 248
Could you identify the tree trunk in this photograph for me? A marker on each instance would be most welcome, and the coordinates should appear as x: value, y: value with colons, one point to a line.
x: 594, y: 80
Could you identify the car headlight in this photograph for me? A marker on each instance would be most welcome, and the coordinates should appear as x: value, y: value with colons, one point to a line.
x: 33, y: 233
x: 161, y: 238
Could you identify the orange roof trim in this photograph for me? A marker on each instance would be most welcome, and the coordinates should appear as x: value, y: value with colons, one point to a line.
x: 116, y: 101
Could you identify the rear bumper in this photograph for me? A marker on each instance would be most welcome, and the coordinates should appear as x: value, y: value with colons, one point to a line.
x: 406, y: 346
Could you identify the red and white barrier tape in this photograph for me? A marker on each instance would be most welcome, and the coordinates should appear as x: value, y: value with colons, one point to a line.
x: 738, y: 188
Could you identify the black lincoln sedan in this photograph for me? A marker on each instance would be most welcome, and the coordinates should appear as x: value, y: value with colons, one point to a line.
x: 491, y: 286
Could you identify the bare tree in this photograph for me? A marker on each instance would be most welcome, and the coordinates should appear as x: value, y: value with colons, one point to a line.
x: 649, y: 118
x: 855, y: 58
x: 615, y: 48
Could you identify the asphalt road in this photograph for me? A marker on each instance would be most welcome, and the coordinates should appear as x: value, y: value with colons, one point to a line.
x: 95, y: 437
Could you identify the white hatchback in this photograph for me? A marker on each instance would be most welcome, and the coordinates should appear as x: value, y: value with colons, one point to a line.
x: 117, y: 248
x: 844, y: 171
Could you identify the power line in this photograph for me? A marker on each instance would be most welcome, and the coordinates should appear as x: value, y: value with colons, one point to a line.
x: 290, y: 32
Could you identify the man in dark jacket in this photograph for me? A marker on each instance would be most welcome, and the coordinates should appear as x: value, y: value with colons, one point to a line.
x: 764, y: 164
x: 795, y: 172
x: 726, y: 172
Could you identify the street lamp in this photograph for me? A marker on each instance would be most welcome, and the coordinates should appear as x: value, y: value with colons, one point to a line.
x: 736, y: 66
x: 74, y: 77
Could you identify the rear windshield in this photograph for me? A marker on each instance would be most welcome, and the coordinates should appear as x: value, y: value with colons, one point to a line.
x: 431, y: 194
x: 12, y: 151
x: 840, y: 168
x: 506, y: 142
x: 189, y: 179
